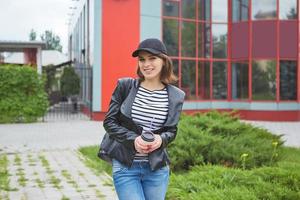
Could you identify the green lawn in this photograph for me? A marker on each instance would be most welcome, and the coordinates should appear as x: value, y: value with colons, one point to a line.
x: 91, y: 160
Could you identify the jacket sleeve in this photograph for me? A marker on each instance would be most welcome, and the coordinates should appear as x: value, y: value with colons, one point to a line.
x: 170, y: 132
x: 111, y: 123
x: 168, y: 136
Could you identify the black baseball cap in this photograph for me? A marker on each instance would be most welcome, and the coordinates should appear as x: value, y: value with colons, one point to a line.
x: 151, y: 45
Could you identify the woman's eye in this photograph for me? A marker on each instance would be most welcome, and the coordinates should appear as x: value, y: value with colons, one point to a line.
x: 152, y: 58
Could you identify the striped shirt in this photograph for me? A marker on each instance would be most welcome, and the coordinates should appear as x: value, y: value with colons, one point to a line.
x: 150, y: 110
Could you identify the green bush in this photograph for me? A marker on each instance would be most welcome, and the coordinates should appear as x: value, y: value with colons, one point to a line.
x: 70, y: 82
x: 23, y: 98
x: 220, y: 183
x: 221, y: 139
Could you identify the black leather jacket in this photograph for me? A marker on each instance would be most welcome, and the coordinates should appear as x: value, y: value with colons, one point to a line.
x: 122, y: 130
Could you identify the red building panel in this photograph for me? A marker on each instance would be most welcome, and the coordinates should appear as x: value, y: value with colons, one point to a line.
x: 30, y: 56
x: 264, y: 39
x: 240, y: 40
x: 288, y: 38
x: 120, y: 36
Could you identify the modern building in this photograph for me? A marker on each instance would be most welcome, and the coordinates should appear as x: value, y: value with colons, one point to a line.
x: 31, y: 51
x: 228, y: 54
x: 49, y: 57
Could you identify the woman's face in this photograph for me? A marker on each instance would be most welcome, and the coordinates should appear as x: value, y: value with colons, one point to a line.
x: 150, y: 65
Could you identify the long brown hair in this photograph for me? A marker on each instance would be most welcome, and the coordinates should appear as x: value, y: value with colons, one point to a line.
x: 167, y: 75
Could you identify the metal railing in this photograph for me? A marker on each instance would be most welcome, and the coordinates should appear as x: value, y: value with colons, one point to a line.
x: 72, y: 108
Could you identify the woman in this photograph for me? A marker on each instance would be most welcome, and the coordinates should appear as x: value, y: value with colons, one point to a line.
x: 149, y: 103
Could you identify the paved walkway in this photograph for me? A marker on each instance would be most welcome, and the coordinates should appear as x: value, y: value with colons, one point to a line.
x: 289, y: 130
x: 44, y: 163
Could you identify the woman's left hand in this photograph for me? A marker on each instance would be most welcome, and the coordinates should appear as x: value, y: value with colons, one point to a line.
x: 156, y: 143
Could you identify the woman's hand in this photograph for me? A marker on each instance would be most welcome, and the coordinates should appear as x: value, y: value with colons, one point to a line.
x: 145, y: 147
x: 155, y: 144
x: 140, y: 145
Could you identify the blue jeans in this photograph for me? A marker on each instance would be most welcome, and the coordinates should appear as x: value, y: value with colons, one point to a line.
x: 140, y: 183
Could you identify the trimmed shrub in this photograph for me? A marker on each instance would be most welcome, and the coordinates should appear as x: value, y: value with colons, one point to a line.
x: 23, y: 98
x: 70, y: 82
x: 215, y: 138
x: 219, y: 183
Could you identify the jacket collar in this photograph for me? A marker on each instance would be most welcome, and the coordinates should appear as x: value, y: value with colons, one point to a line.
x: 175, y: 103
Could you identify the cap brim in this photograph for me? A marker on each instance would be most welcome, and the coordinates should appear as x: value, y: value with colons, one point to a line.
x: 152, y: 51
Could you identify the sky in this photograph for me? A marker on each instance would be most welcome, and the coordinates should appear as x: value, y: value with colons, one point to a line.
x: 18, y: 17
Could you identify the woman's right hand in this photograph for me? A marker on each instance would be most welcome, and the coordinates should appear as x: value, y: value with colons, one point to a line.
x: 140, y: 145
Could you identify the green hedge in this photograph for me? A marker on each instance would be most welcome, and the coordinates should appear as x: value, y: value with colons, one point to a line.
x: 23, y: 98
x: 215, y: 138
x: 221, y: 183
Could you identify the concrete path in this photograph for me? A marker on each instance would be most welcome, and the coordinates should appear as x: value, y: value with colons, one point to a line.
x: 289, y: 130
x: 44, y: 163
x: 51, y: 135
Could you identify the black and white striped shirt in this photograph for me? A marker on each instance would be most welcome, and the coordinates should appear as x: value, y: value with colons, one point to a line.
x: 150, y: 110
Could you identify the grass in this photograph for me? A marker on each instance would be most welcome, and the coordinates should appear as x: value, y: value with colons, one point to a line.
x: 92, y: 161
x: 4, y: 180
x: 17, y: 160
x: 40, y: 183
x: 22, y: 179
x: 55, y: 182
x: 64, y: 198
x: 70, y: 180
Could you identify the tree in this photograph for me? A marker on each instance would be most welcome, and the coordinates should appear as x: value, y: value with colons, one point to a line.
x: 52, y: 41
x: 70, y: 85
x: 32, y: 35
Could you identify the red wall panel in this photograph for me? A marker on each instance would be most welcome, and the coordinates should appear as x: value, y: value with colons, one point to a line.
x: 264, y: 39
x: 240, y: 40
x: 120, y: 36
x: 288, y: 38
x: 30, y: 56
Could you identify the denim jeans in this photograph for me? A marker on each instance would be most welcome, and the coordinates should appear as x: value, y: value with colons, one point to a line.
x: 140, y: 183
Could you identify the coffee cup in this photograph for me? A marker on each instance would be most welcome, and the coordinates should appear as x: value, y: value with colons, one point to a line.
x: 148, y: 136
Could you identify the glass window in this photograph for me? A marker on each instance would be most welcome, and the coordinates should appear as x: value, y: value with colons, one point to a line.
x: 219, y: 80
x: 240, y: 80
x: 204, y: 10
x: 264, y: 9
x: 175, y: 70
x: 188, y: 9
x: 170, y: 36
x: 188, y: 40
x: 288, y: 9
x: 240, y: 10
x: 188, y: 79
x: 203, y: 80
x: 219, y: 37
x: 288, y: 80
x: 170, y: 8
x: 204, y: 40
x: 264, y: 80
x: 219, y: 11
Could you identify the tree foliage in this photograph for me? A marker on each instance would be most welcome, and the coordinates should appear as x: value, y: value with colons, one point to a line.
x: 22, y: 95
x: 32, y: 35
x: 52, y: 40
x: 70, y: 82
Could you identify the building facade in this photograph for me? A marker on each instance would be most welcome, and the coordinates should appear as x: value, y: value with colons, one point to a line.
x: 228, y: 54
